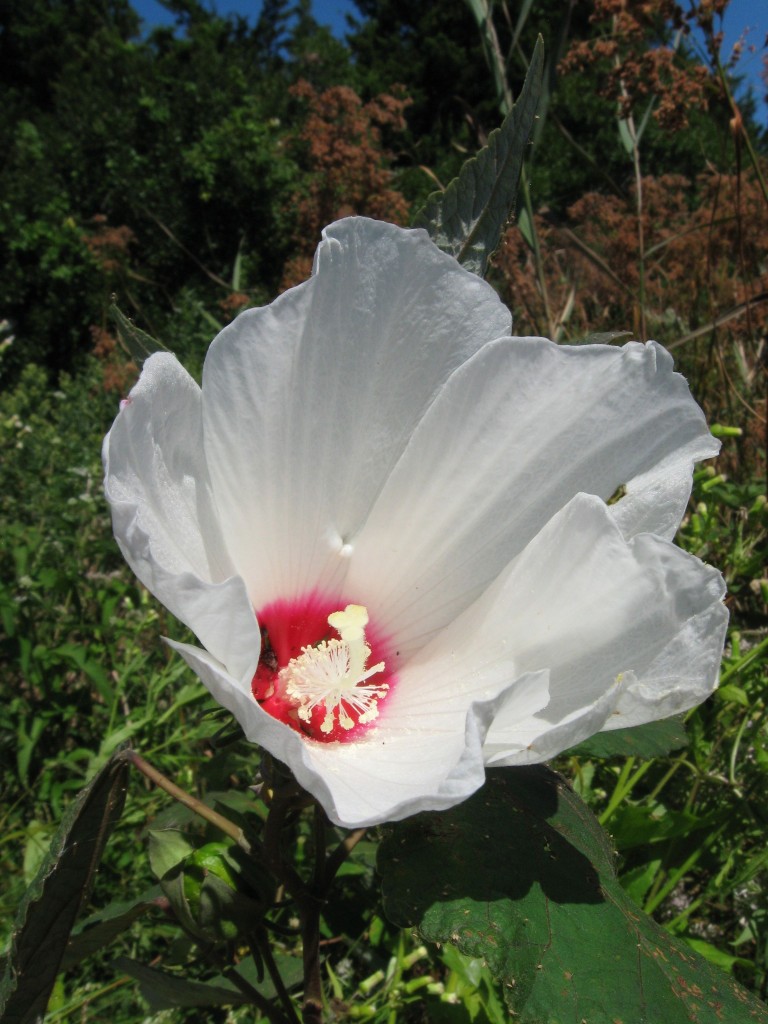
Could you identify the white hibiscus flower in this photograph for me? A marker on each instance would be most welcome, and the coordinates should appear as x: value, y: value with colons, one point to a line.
x: 385, y: 520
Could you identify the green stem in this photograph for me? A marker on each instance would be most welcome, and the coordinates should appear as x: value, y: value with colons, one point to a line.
x: 749, y: 657
x: 283, y: 802
x: 660, y: 892
x: 624, y: 786
x: 538, y: 259
x: 312, y: 1005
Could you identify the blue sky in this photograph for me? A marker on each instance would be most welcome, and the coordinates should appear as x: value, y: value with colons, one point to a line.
x: 327, y: 12
x: 742, y: 16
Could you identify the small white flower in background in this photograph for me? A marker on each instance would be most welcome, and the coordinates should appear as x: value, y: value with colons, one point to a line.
x: 386, y: 522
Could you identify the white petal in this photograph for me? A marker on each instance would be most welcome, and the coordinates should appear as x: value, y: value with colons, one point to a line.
x: 392, y: 772
x: 516, y: 740
x: 515, y: 433
x: 686, y: 668
x: 606, y: 618
x: 164, y: 516
x: 309, y: 402
x: 658, y: 489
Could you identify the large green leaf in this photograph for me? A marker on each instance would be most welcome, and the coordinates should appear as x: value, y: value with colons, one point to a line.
x: 522, y: 875
x: 467, y: 219
x: 53, y: 901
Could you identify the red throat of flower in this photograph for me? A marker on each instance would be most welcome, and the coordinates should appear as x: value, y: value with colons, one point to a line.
x: 324, y: 670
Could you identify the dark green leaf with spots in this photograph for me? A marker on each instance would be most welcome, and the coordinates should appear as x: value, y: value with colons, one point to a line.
x: 522, y: 875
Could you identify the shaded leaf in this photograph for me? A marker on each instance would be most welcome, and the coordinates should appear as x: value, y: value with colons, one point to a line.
x: 655, y: 739
x: 163, y: 990
x: 53, y: 901
x: 105, y: 926
x: 522, y: 875
x: 137, y: 343
x: 467, y: 219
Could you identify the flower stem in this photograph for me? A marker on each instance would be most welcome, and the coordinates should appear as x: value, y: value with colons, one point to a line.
x: 202, y: 810
x: 261, y: 941
x: 312, y: 1006
x: 340, y: 854
x: 258, y: 1000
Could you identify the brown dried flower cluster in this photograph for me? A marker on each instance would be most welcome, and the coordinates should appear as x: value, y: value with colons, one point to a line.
x: 118, y: 373
x: 635, y: 72
x: 109, y: 245
x: 704, y: 273
x: 341, y: 146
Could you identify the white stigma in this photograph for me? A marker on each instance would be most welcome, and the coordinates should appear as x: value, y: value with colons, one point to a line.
x: 331, y: 673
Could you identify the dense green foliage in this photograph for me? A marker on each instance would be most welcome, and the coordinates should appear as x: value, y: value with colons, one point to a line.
x: 174, y: 171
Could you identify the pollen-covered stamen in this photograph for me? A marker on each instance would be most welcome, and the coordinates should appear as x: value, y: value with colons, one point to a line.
x: 330, y: 674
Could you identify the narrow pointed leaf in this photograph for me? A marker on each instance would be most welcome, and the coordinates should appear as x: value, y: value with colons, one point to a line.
x: 522, y: 876
x: 164, y: 990
x: 467, y: 219
x: 137, y: 343
x: 106, y: 925
x: 604, y: 338
x: 53, y: 901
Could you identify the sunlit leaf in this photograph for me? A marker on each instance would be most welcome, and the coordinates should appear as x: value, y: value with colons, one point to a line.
x: 467, y: 219
x: 137, y: 343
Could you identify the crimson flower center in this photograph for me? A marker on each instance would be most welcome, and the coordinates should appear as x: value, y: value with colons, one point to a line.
x: 322, y: 671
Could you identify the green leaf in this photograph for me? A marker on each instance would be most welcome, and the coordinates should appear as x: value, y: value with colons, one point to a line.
x: 633, y: 826
x: 106, y: 925
x: 164, y: 990
x: 655, y: 739
x: 731, y: 692
x: 53, y: 901
x: 626, y: 136
x: 604, y: 338
x: 167, y: 848
x: 725, y: 961
x: 522, y: 875
x: 637, y: 882
x: 137, y: 343
x: 467, y: 219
